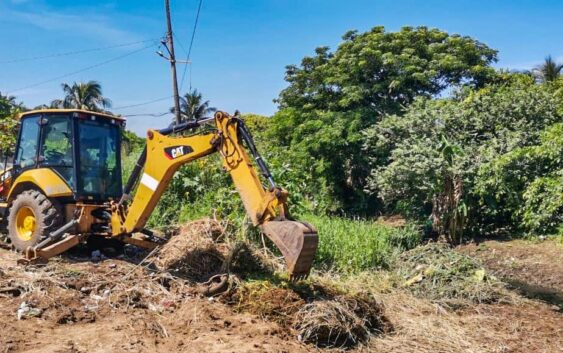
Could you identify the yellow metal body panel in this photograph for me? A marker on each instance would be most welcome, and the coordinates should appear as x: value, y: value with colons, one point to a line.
x: 158, y: 172
x: 48, y: 181
x: 260, y: 205
x: 62, y: 111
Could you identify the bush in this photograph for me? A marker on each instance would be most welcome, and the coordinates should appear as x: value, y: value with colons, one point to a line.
x: 527, y: 183
x: 9, y: 110
x: 487, y: 124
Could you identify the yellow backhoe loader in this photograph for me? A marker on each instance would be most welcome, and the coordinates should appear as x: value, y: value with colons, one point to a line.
x: 64, y: 184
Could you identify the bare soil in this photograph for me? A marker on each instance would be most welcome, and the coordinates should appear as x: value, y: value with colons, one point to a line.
x: 115, y: 305
x: 535, y: 269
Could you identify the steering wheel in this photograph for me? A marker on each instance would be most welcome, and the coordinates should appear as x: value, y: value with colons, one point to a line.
x: 54, y: 157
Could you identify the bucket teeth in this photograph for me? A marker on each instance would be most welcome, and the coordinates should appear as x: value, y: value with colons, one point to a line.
x: 297, y: 242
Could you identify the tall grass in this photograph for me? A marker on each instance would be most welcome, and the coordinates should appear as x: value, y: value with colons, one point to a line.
x: 348, y: 245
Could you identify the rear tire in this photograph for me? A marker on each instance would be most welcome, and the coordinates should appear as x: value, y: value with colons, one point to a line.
x: 32, y: 218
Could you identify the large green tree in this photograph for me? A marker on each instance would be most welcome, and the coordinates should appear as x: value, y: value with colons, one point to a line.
x: 383, y: 71
x: 333, y: 96
x: 83, y: 95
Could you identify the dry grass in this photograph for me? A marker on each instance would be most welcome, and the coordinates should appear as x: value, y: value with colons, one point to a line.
x: 72, y: 292
x: 425, y: 327
x: 264, y: 299
x: 421, y: 327
x: 436, y: 272
x: 196, y: 253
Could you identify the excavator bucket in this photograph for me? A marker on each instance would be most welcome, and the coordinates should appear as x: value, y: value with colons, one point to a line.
x: 297, y: 242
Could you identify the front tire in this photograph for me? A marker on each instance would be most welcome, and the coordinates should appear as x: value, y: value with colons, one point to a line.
x: 32, y: 217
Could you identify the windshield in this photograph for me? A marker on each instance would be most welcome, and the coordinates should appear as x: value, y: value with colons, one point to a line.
x: 99, y: 171
x: 29, y: 136
x: 56, y: 146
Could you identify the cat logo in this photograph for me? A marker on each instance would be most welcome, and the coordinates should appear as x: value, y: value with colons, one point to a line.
x: 177, y: 151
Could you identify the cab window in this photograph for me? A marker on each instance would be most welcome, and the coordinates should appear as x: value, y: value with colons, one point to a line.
x: 56, y: 146
x: 27, y: 148
x: 99, y: 171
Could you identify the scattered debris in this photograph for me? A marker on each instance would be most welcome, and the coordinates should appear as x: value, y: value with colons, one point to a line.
x: 26, y: 310
x: 141, y: 309
x: 264, y: 299
x: 437, y: 272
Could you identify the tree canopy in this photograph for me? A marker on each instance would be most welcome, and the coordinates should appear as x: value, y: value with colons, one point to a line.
x: 333, y: 96
x: 83, y: 95
x: 383, y: 71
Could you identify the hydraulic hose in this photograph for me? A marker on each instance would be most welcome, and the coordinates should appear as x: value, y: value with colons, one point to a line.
x: 247, y: 137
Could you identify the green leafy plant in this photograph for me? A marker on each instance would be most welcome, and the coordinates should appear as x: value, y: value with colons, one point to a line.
x: 406, y: 158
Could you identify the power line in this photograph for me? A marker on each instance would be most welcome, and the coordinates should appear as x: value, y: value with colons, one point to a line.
x: 190, y: 47
x: 82, y: 70
x: 75, y: 52
x: 141, y: 104
x: 180, y: 43
x: 146, y: 114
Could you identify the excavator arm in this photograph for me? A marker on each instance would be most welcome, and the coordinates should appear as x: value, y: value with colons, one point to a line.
x: 267, y: 208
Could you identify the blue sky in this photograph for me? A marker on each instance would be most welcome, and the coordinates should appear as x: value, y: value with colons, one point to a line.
x: 241, y: 46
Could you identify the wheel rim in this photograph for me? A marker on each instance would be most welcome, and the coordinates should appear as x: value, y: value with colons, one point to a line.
x: 25, y: 223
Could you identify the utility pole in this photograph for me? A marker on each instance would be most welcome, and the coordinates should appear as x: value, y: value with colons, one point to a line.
x: 170, y: 48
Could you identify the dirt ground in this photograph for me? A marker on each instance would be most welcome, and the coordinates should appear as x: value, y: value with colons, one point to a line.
x: 535, y: 269
x: 115, y: 305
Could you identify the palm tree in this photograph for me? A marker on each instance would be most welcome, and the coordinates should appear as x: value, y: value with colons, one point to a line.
x: 9, y: 106
x: 82, y: 95
x: 549, y: 71
x: 192, y: 106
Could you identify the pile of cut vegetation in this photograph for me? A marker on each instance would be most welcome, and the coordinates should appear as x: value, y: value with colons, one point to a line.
x: 437, y: 272
x: 324, y: 317
x: 197, y: 252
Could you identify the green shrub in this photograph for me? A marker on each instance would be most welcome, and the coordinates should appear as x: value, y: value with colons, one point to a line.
x: 527, y: 183
x: 408, y: 167
x: 543, y: 204
x: 9, y: 109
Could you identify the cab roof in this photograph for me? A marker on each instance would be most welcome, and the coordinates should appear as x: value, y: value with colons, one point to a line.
x: 67, y: 111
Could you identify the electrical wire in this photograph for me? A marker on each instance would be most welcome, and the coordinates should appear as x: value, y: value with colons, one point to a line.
x: 190, y: 48
x: 146, y: 114
x: 144, y: 103
x: 82, y: 70
x: 75, y: 52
